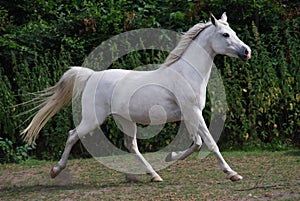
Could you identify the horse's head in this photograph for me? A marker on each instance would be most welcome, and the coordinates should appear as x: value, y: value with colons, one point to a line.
x: 225, y: 41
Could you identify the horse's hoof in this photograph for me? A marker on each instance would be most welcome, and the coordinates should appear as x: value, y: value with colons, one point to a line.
x: 53, y: 174
x: 156, y: 178
x: 236, y: 177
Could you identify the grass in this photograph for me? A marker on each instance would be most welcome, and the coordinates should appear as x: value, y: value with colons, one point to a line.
x: 267, y: 176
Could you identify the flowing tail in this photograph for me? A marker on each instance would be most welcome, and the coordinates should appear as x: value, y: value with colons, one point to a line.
x: 54, y: 98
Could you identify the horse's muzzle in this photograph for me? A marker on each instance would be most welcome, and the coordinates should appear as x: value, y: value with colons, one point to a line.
x: 245, y: 53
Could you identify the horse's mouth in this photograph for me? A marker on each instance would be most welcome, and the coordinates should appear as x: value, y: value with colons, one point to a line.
x: 244, y: 57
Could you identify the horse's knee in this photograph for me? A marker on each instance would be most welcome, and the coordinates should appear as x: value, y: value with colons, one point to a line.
x: 213, y: 148
x: 197, y: 144
x: 196, y: 147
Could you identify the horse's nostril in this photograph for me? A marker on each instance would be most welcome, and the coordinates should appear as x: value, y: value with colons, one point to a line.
x: 245, y: 53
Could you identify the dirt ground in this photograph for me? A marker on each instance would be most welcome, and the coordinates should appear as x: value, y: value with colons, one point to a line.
x: 267, y: 176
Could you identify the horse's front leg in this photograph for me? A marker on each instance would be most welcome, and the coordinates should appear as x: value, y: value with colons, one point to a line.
x: 184, y: 154
x: 129, y: 128
x: 213, y: 147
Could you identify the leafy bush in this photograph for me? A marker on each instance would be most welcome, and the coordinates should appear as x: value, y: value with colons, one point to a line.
x: 40, y: 39
x: 264, y: 93
x: 9, y: 154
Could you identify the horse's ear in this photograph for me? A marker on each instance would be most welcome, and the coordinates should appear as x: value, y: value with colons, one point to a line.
x: 224, y: 17
x: 213, y: 20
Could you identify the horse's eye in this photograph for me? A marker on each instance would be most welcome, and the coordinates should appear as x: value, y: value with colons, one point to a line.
x: 226, y: 35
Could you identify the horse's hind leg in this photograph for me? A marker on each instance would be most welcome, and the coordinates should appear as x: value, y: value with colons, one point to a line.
x: 86, y: 125
x: 72, y: 139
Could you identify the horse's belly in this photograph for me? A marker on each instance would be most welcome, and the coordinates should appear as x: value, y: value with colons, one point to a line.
x: 155, y: 114
x: 148, y: 106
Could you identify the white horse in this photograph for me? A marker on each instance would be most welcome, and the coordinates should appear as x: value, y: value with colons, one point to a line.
x: 185, y: 73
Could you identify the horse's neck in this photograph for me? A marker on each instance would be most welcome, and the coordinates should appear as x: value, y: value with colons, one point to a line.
x: 196, y: 63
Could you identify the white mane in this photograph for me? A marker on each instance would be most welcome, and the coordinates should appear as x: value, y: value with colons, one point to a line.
x: 184, y: 42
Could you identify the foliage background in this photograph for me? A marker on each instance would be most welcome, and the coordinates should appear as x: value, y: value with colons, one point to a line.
x: 40, y: 39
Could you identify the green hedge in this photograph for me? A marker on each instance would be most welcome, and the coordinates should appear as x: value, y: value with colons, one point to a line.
x: 39, y: 40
